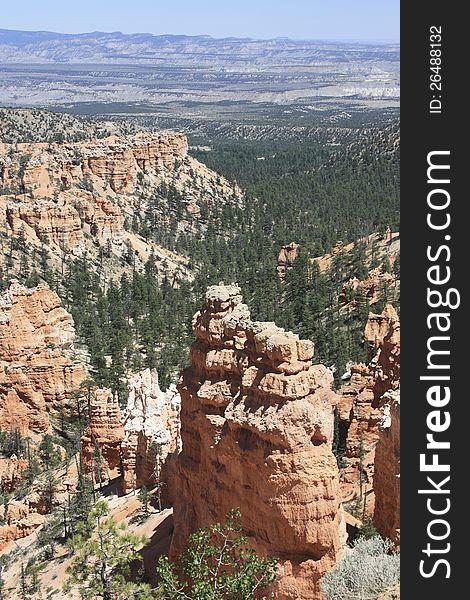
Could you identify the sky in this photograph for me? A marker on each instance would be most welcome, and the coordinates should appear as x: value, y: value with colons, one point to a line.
x: 351, y: 20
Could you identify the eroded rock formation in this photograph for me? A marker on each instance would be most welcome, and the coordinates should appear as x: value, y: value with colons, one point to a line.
x: 113, y: 161
x: 61, y: 222
x: 256, y: 426
x: 382, y: 334
x: 37, y: 374
x: 152, y: 433
x: 387, y: 471
x: 18, y: 522
x: 74, y: 198
x: 139, y: 443
x: 287, y: 256
x: 21, y: 517
x: 362, y: 401
x: 371, y: 287
x: 11, y: 471
x: 101, y: 441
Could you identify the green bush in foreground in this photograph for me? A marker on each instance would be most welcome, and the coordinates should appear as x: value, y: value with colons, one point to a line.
x: 364, y: 572
x: 218, y: 565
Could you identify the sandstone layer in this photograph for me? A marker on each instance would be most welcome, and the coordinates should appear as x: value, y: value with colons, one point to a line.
x: 256, y: 427
x: 387, y: 471
x: 113, y: 161
x: 21, y: 517
x: 377, y: 246
x: 141, y: 442
x: 152, y: 433
x: 88, y: 198
x: 361, y: 405
x: 11, y: 472
x: 37, y: 374
x: 371, y: 287
x: 101, y: 440
x: 18, y: 522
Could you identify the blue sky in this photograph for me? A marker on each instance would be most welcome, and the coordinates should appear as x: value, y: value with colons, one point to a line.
x: 357, y: 20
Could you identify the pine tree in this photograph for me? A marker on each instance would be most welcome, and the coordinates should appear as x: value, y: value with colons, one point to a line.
x: 144, y: 497
x: 48, y: 454
x: 361, y: 454
x: 49, y: 488
x: 3, y: 563
x: 49, y: 535
x: 101, y: 564
x: 396, y: 266
x: 98, y: 463
x: 24, y: 591
x: 81, y: 503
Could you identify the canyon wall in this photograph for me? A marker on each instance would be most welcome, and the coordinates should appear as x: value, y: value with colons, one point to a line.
x: 38, y: 375
x: 387, y: 471
x: 362, y: 401
x: 58, y: 193
x: 113, y: 162
x: 256, y: 427
x: 81, y: 198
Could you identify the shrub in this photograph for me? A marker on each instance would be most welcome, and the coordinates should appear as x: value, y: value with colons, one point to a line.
x: 364, y: 572
x: 218, y: 565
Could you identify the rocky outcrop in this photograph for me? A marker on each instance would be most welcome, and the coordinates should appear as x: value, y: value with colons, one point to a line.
x: 113, y: 162
x: 382, y: 334
x: 21, y: 517
x: 65, y: 191
x: 361, y: 405
x: 37, y: 374
x: 256, y: 427
x: 80, y: 198
x: 377, y: 248
x: 101, y: 440
x: 152, y: 433
x: 11, y: 472
x: 371, y: 287
x: 18, y: 522
x: 62, y: 222
x: 387, y: 471
x: 118, y: 160
x: 141, y: 442
x: 286, y: 258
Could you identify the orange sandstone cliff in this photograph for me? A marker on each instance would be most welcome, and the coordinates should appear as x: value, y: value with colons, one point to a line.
x: 387, y: 471
x: 101, y: 440
x: 256, y: 427
x: 37, y: 372
x: 286, y: 259
x: 362, y: 400
x: 74, y: 198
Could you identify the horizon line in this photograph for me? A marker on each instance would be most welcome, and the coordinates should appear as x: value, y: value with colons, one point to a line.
x: 214, y: 37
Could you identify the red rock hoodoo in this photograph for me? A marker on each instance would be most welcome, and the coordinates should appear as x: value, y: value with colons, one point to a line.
x: 256, y: 427
x: 141, y: 442
x: 101, y: 441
